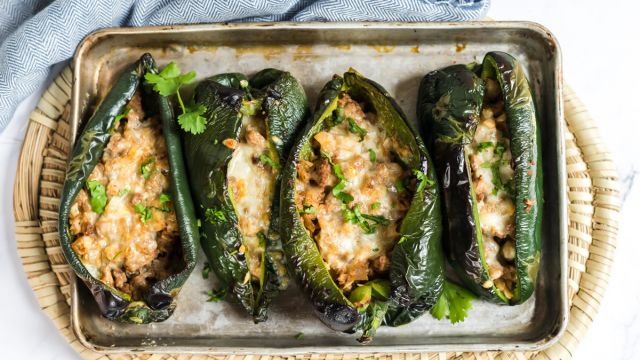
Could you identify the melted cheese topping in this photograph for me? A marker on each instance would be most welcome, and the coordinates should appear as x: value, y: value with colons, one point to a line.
x: 252, y: 185
x: 351, y: 254
x: 120, y: 246
x: 493, y: 181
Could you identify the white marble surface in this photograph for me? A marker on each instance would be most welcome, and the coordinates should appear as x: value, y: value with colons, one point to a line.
x: 599, y: 45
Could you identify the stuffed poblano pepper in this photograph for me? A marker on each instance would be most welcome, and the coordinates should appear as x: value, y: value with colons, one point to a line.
x: 235, y: 164
x: 480, y: 122
x: 361, y: 212
x: 127, y: 224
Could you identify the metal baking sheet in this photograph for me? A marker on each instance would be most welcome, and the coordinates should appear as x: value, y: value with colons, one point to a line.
x: 396, y: 55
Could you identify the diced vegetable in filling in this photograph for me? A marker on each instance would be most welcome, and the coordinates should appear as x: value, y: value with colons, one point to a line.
x: 493, y: 183
x: 352, y: 194
x: 123, y: 220
x: 251, y: 175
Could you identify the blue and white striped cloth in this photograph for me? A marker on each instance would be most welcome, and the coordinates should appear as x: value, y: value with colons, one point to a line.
x: 37, y: 34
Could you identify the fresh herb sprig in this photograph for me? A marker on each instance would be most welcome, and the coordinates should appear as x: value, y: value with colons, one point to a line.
x: 168, y: 82
x: 454, y: 303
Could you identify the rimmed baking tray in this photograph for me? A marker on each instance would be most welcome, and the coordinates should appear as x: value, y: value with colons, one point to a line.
x: 396, y: 55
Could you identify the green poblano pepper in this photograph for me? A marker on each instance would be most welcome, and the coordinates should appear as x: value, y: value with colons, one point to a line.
x: 158, y: 301
x: 282, y: 102
x: 416, y: 274
x: 450, y: 102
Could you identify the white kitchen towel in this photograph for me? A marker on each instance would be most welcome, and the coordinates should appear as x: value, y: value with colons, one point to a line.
x: 37, y: 34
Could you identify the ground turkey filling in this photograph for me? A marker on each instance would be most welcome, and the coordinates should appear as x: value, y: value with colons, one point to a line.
x: 251, y: 176
x: 352, y: 194
x: 493, y: 181
x: 123, y: 220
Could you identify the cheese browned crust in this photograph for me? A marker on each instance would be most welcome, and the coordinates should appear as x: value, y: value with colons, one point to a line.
x: 252, y: 185
x: 121, y: 247
x: 351, y: 254
x: 493, y: 183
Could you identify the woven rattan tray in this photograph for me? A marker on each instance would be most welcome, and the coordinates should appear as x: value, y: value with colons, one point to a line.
x: 593, y: 196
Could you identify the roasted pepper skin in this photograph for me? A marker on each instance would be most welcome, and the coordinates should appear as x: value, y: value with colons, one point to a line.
x: 449, y: 104
x: 284, y: 105
x: 159, y: 301
x: 416, y: 273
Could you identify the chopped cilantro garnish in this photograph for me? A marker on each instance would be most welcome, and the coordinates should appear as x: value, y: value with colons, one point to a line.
x: 144, y: 212
x: 375, y: 205
x: 164, y: 200
x: 267, y: 160
x: 372, y: 155
x: 299, y: 336
x: 213, y: 216
x: 216, y: 295
x: 454, y: 303
x: 355, y: 129
x: 399, y: 185
x: 499, y: 150
x: 123, y: 192
x: 337, y: 169
x: 167, y: 83
x: 336, y: 118
x: 423, y: 180
x: 377, y: 219
x: 355, y: 216
x: 205, y: 270
x: 337, y: 190
x: 119, y: 117
x: 147, y: 167
x: 496, y: 178
x: 341, y: 195
x: 484, y: 145
x: 97, y: 196
x: 308, y: 209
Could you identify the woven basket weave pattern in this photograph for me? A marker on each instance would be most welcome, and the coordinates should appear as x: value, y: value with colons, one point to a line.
x: 593, y: 194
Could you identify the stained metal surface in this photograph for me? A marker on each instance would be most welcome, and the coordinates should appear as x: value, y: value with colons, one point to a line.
x: 396, y: 55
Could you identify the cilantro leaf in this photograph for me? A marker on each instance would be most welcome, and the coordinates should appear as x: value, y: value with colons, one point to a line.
x: 169, y: 80
x: 216, y: 295
x: 454, y: 303
x: 167, y: 83
x: 144, y: 212
x: 191, y: 119
x: 399, y: 185
x: 341, y: 195
x: 98, y: 196
x: 355, y: 216
x: 336, y: 118
x: 484, y: 145
x: 500, y: 149
x: 147, y: 167
x: 267, y: 160
x: 214, y: 216
x: 164, y: 200
x: 375, y: 205
x: 121, y: 116
x: 299, y: 336
x: 372, y: 155
x: 123, y: 192
x: 355, y: 129
x: 308, y: 209
x: 423, y: 180
x: 205, y: 270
